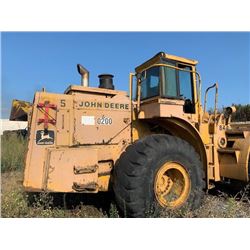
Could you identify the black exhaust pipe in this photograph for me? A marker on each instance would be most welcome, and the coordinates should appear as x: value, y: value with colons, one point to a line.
x: 106, y: 81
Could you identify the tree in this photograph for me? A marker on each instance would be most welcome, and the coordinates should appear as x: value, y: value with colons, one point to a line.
x: 242, y: 113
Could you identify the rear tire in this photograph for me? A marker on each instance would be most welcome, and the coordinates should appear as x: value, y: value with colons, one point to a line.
x: 158, y: 171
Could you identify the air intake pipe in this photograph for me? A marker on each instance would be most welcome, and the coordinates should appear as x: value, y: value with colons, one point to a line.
x: 85, y: 75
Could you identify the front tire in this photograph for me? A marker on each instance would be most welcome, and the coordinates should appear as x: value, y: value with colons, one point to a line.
x: 158, y: 171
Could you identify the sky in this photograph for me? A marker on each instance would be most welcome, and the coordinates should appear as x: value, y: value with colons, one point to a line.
x: 33, y: 60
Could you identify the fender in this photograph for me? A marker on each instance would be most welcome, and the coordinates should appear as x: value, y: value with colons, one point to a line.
x: 186, y: 131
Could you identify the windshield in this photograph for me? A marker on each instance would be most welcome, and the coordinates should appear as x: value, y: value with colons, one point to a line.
x: 150, y: 81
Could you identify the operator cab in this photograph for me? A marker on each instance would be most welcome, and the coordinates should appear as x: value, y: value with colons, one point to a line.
x: 168, y: 77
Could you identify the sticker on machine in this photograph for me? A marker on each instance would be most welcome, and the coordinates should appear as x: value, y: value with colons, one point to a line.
x: 45, y: 137
x: 88, y: 120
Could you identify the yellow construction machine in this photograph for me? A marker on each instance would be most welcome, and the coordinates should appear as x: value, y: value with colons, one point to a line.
x: 154, y: 147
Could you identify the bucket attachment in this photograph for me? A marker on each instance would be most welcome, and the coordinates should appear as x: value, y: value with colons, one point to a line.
x: 20, y: 110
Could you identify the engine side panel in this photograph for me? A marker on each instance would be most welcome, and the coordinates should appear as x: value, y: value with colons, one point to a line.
x: 67, y: 131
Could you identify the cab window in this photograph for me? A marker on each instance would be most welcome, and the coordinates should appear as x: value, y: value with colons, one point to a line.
x: 150, y: 81
x: 185, y: 81
x: 186, y: 88
x: 178, y: 84
x: 169, y: 89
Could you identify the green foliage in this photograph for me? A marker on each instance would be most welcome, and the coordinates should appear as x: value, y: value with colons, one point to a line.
x: 113, y: 211
x: 242, y: 113
x: 13, y: 149
x: 13, y: 204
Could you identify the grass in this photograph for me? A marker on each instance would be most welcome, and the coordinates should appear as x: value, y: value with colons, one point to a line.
x: 15, y: 203
x: 13, y: 147
x: 214, y: 207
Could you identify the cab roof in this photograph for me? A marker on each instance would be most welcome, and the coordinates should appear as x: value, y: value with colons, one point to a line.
x: 158, y: 59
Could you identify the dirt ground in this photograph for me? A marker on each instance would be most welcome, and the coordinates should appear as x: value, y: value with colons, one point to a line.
x: 221, y: 202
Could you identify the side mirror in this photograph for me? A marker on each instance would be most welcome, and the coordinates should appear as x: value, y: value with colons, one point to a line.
x: 139, y: 76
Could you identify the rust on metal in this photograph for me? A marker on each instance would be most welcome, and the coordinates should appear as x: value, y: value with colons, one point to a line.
x: 90, y: 128
x: 85, y: 169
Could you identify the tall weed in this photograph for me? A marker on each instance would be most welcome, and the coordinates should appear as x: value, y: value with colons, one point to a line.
x: 13, y: 149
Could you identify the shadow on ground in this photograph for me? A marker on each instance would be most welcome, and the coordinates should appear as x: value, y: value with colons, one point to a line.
x: 68, y: 201
x: 233, y: 189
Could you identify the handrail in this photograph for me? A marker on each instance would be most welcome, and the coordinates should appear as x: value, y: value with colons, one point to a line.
x: 216, y: 96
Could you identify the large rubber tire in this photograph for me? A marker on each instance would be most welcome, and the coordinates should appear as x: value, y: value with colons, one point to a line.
x: 137, y: 167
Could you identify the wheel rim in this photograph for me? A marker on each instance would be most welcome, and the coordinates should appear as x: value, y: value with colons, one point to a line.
x: 172, y: 185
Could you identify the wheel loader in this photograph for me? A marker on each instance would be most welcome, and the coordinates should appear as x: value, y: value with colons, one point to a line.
x: 156, y: 147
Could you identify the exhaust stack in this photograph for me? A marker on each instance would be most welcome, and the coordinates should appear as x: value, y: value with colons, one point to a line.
x: 85, y: 75
x: 106, y: 81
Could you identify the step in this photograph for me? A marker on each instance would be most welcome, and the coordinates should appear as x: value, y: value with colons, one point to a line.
x: 235, y: 134
x: 85, y: 169
x: 228, y: 150
x: 89, y: 187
